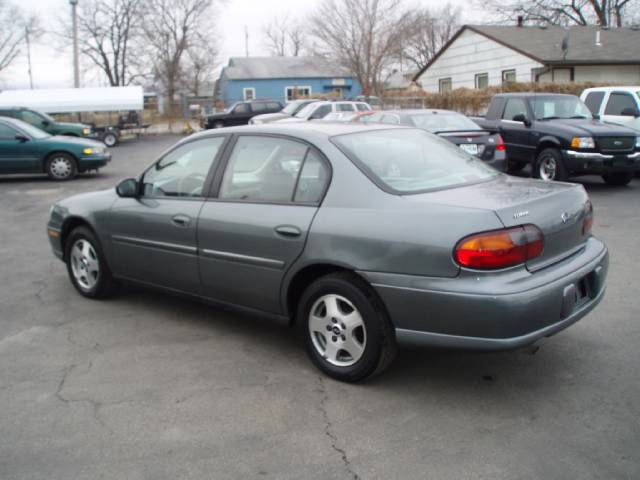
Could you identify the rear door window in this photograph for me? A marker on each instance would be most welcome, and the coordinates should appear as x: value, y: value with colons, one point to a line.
x: 313, y: 179
x: 263, y: 169
x: 344, y: 107
x: 514, y: 107
x: 593, y: 100
x: 619, y: 101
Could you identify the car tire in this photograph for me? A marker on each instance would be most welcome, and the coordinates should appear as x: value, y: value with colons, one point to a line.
x: 218, y: 125
x: 347, y: 332
x: 86, y: 265
x: 61, y: 166
x: 110, y: 139
x: 618, y: 178
x: 550, y: 166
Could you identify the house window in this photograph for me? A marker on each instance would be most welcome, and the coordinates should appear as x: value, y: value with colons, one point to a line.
x: 509, y: 76
x: 249, y: 93
x: 444, y: 85
x: 482, y: 80
x: 292, y: 93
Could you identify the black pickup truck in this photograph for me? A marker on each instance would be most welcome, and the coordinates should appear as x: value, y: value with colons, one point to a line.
x: 560, y: 138
x: 241, y: 112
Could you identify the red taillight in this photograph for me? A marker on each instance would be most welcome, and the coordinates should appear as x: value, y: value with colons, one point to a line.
x: 500, y: 248
x: 500, y: 143
x: 588, y: 218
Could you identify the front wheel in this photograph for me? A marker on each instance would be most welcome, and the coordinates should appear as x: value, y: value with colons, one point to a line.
x: 618, y: 178
x: 86, y: 265
x: 348, y: 335
x: 61, y: 166
x: 550, y: 166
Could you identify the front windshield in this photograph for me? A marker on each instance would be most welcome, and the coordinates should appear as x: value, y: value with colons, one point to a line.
x: 32, y: 131
x: 304, y: 113
x: 559, y: 107
x: 443, y: 122
x: 291, y: 108
x: 411, y: 160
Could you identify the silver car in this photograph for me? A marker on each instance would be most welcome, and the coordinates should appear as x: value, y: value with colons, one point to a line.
x: 362, y: 236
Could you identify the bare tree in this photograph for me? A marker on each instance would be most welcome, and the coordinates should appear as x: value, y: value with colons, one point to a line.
x: 430, y: 29
x: 284, y: 37
x: 364, y: 36
x: 563, y: 12
x: 14, y: 27
x: 199, y: 65
x: 172, y: 28
x: 109, y: 32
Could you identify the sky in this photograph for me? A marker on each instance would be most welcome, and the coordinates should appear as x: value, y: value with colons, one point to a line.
x: 51, y: 57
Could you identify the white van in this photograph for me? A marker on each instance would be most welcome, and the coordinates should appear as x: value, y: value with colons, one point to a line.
x: 619, y: 105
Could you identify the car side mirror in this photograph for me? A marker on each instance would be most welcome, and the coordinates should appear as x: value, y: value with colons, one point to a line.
x: 127, y: 188
x: 522, y: 118
x: 630, y: 112
x: 21, y: 138
x: 45, y: 123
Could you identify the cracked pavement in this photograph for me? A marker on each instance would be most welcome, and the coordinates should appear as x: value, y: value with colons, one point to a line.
x: 151, y: 386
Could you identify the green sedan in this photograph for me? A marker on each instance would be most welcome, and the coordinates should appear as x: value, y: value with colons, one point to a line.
x: 26, y: 149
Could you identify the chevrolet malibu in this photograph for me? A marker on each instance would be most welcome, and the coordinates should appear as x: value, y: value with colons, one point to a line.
x: 363, y: 236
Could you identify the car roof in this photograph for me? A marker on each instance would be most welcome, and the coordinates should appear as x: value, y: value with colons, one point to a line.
x: 534, y: 94
x: 610, y: 89
x: 301, y: 129
x: 13, y: 121
x: 414, y: 111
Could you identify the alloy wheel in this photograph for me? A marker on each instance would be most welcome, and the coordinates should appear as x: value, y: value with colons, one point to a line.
x: 84, y: 264
x: 548, y: 168
x: 337, y: 330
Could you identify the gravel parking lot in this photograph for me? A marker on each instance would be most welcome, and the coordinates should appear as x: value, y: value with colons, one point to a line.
x: 150, y: 386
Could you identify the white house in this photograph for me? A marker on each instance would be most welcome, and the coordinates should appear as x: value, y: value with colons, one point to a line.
x: 483, y: 55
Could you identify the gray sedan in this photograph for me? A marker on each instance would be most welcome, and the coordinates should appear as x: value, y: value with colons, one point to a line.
x: 362, y: 236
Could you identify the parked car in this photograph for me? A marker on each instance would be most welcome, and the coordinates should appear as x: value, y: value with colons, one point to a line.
x: 27, y: 149
x: 47, y: 123
x: 452, y: 126
x: 375, y: 102
x: 619, y: 105
x: 240, y: 113
x: 345, y: 116
x: 559, y: 137
x: 288, y: 111
x: 363, y: 237
x: 318, y: 110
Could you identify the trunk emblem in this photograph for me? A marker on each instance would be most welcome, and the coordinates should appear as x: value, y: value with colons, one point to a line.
x: 565, y: 217
x: 520, y: 214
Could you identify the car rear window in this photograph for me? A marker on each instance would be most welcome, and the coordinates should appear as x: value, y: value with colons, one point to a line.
x: 405, y: 161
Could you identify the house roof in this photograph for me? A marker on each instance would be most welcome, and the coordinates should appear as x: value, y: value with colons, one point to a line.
x: 399, y: 80
x: 618, y: 46
x: 281, y: 67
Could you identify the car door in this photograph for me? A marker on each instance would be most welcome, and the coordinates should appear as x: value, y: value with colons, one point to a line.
x: 153, y: 237
x: 18, y: 155
x: 622, y: 108
x: 257, y: 224
x: 240, y: 114
x: 516, y: 134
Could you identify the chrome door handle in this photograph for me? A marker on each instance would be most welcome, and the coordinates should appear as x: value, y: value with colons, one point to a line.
x: 288, y: 231
x: 181, y: 220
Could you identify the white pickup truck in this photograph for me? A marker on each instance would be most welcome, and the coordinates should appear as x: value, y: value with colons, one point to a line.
x: 619, y: 105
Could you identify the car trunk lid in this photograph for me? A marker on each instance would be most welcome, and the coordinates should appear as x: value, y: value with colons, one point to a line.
x: 557, y: 209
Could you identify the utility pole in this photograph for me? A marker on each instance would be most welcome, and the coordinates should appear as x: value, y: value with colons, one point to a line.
x: 246, y: 41
x: 26, y: 37
x: 74, y: 23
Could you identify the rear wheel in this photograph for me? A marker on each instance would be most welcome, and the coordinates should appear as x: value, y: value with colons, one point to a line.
x: 347, y: 332
x: 61, y: 166
x: 550, y: 166
x: 618, y: 178
x: 87, y: 268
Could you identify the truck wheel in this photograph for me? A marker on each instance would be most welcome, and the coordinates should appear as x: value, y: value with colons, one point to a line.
x: 110, y: 139
x: 346, y: 329
x: 618, y: 178
x: 61, y: 166
x: 550, y: 166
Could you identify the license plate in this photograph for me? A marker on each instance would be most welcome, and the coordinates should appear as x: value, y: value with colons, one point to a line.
x: 470, y: 148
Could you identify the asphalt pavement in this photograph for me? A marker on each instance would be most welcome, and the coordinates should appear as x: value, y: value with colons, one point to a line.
x: 151, y: 386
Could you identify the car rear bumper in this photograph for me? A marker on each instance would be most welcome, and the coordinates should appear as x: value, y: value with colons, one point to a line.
x: 494, y: 311
x: 594, y: 162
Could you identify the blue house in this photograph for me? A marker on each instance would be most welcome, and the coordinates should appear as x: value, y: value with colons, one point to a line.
x: 283, y: 79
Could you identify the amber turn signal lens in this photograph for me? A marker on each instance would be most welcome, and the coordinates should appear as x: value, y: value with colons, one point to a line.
x: 500, y: 248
